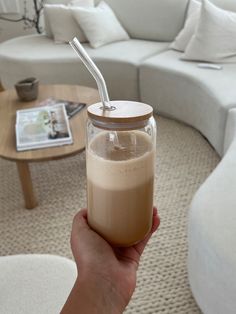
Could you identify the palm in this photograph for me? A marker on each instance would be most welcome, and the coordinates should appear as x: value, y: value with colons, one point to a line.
x: 94, y: 255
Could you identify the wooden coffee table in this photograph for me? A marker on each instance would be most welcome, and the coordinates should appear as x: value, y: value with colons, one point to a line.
x: 9, y: 103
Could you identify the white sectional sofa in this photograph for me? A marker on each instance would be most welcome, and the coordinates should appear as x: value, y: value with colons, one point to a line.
x: 37, y: 55
x: 144, y: 68
x: 199, y: 97
x: 212, y: 233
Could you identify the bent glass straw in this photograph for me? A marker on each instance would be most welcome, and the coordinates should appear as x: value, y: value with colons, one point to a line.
x: 93, y: 69
x: 102, y: 88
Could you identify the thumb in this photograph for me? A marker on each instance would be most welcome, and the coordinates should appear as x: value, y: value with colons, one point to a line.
x: 80, y: 219
x: 79, y: 223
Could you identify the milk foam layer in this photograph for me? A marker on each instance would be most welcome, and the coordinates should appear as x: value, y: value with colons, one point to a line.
x: 121, y: 174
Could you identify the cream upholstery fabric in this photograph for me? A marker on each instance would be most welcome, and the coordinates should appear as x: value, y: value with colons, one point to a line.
x: 212, y: 239
x: 182, y: 39
x: 63, y: 26
x: 214, y: 39
x: 199, y: 97
x: 230, y: 129
x: 161, y: 19
x: 225, y: 4
x: 48, y: 30
x: 35, y: 283
x: 60, y: 65
x: 100, y: 24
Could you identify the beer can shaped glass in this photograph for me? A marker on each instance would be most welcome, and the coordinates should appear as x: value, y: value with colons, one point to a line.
x: 120, y: 158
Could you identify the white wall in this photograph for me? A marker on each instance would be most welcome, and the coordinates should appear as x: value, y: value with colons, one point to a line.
x: 11, y: 29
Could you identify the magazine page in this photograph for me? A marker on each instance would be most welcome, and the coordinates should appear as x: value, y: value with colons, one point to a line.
x: 42, y: 127
x: 72, y: 108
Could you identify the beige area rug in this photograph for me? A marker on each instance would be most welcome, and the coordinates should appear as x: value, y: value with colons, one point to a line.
x: 184, y: 161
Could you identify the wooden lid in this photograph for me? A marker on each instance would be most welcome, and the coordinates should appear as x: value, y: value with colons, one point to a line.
x: 122, y: 112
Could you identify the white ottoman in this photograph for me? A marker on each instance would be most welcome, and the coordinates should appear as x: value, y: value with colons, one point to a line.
x: 35, y: 284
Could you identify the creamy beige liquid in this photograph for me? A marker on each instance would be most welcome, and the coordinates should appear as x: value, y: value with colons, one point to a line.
x: 120, y: 186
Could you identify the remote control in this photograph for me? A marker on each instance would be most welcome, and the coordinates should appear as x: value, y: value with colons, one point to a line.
x: 210, y: 66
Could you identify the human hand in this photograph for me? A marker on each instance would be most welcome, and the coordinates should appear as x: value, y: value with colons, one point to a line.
x: 108, y: 272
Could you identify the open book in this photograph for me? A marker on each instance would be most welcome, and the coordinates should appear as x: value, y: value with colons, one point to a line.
x: 42, y: 127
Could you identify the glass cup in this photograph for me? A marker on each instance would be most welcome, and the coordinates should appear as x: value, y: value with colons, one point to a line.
x: 120, y: 156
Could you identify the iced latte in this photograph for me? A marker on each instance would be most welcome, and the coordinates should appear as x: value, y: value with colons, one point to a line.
x: 120, y: 180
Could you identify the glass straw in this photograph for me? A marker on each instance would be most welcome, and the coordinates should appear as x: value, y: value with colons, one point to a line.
x: 93, y: 69
x: 102, y: 88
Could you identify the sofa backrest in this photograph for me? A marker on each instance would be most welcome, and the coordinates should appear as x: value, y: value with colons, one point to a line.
x: 226, y: 4
x: 159, y: 20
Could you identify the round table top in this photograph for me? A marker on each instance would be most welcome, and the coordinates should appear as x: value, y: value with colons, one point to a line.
x: 9, y: 104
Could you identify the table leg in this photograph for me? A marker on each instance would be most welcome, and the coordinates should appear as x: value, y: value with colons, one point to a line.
x: 26, y: 184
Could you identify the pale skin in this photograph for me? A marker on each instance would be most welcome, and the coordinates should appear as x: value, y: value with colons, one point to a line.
x: 107, y: 275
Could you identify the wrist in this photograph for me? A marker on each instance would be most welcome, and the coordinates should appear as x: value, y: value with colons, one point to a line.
x: 100, y: 294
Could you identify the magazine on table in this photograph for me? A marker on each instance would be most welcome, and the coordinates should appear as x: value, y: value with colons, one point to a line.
x: 72, y: 107
x: 40, y: 127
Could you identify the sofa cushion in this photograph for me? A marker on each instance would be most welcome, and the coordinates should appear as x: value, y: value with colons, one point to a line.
x: 150, y: 19
x: 100, y: 24
x: 59, y: 64
x: 35, y: 283
x: 63, y: 26
x: 47, y: 24
x: 213, y: 40
x: 161, y: 20
x: 184, y: 36
x: 199, y: 97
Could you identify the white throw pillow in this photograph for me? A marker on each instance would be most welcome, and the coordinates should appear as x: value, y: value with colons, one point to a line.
x: 61, y: 22
x: 194, y: 6
x: 215, y: 37
x: 47, y: 26
x: 100, y: 25
x: 82, y: 3
x: 182, y: 39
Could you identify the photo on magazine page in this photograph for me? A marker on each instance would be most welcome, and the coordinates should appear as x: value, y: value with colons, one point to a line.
x: 72, y: 107
x: 41, y: 126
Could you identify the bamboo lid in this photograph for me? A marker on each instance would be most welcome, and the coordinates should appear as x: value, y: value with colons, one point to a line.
x: 121, y: 112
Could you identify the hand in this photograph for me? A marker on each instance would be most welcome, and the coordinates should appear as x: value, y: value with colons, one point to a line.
x: 106, y: 274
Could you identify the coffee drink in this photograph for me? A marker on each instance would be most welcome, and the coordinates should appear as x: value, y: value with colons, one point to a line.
x: 120, y: 176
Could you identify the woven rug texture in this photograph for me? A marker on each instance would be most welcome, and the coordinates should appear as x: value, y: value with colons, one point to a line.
x: 184, y: 161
